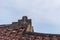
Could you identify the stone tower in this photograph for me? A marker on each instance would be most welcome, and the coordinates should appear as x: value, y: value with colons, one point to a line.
x: 28, y: 24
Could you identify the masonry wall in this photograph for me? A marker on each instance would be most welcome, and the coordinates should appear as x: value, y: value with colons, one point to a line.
x: 23, y: 30
x: 11, y: 34
x: 36, y: 36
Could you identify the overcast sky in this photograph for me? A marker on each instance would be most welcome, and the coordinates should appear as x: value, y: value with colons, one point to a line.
x: 45, y: 14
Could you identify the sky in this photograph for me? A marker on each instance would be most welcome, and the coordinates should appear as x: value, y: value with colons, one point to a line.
x: 45, y: 14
